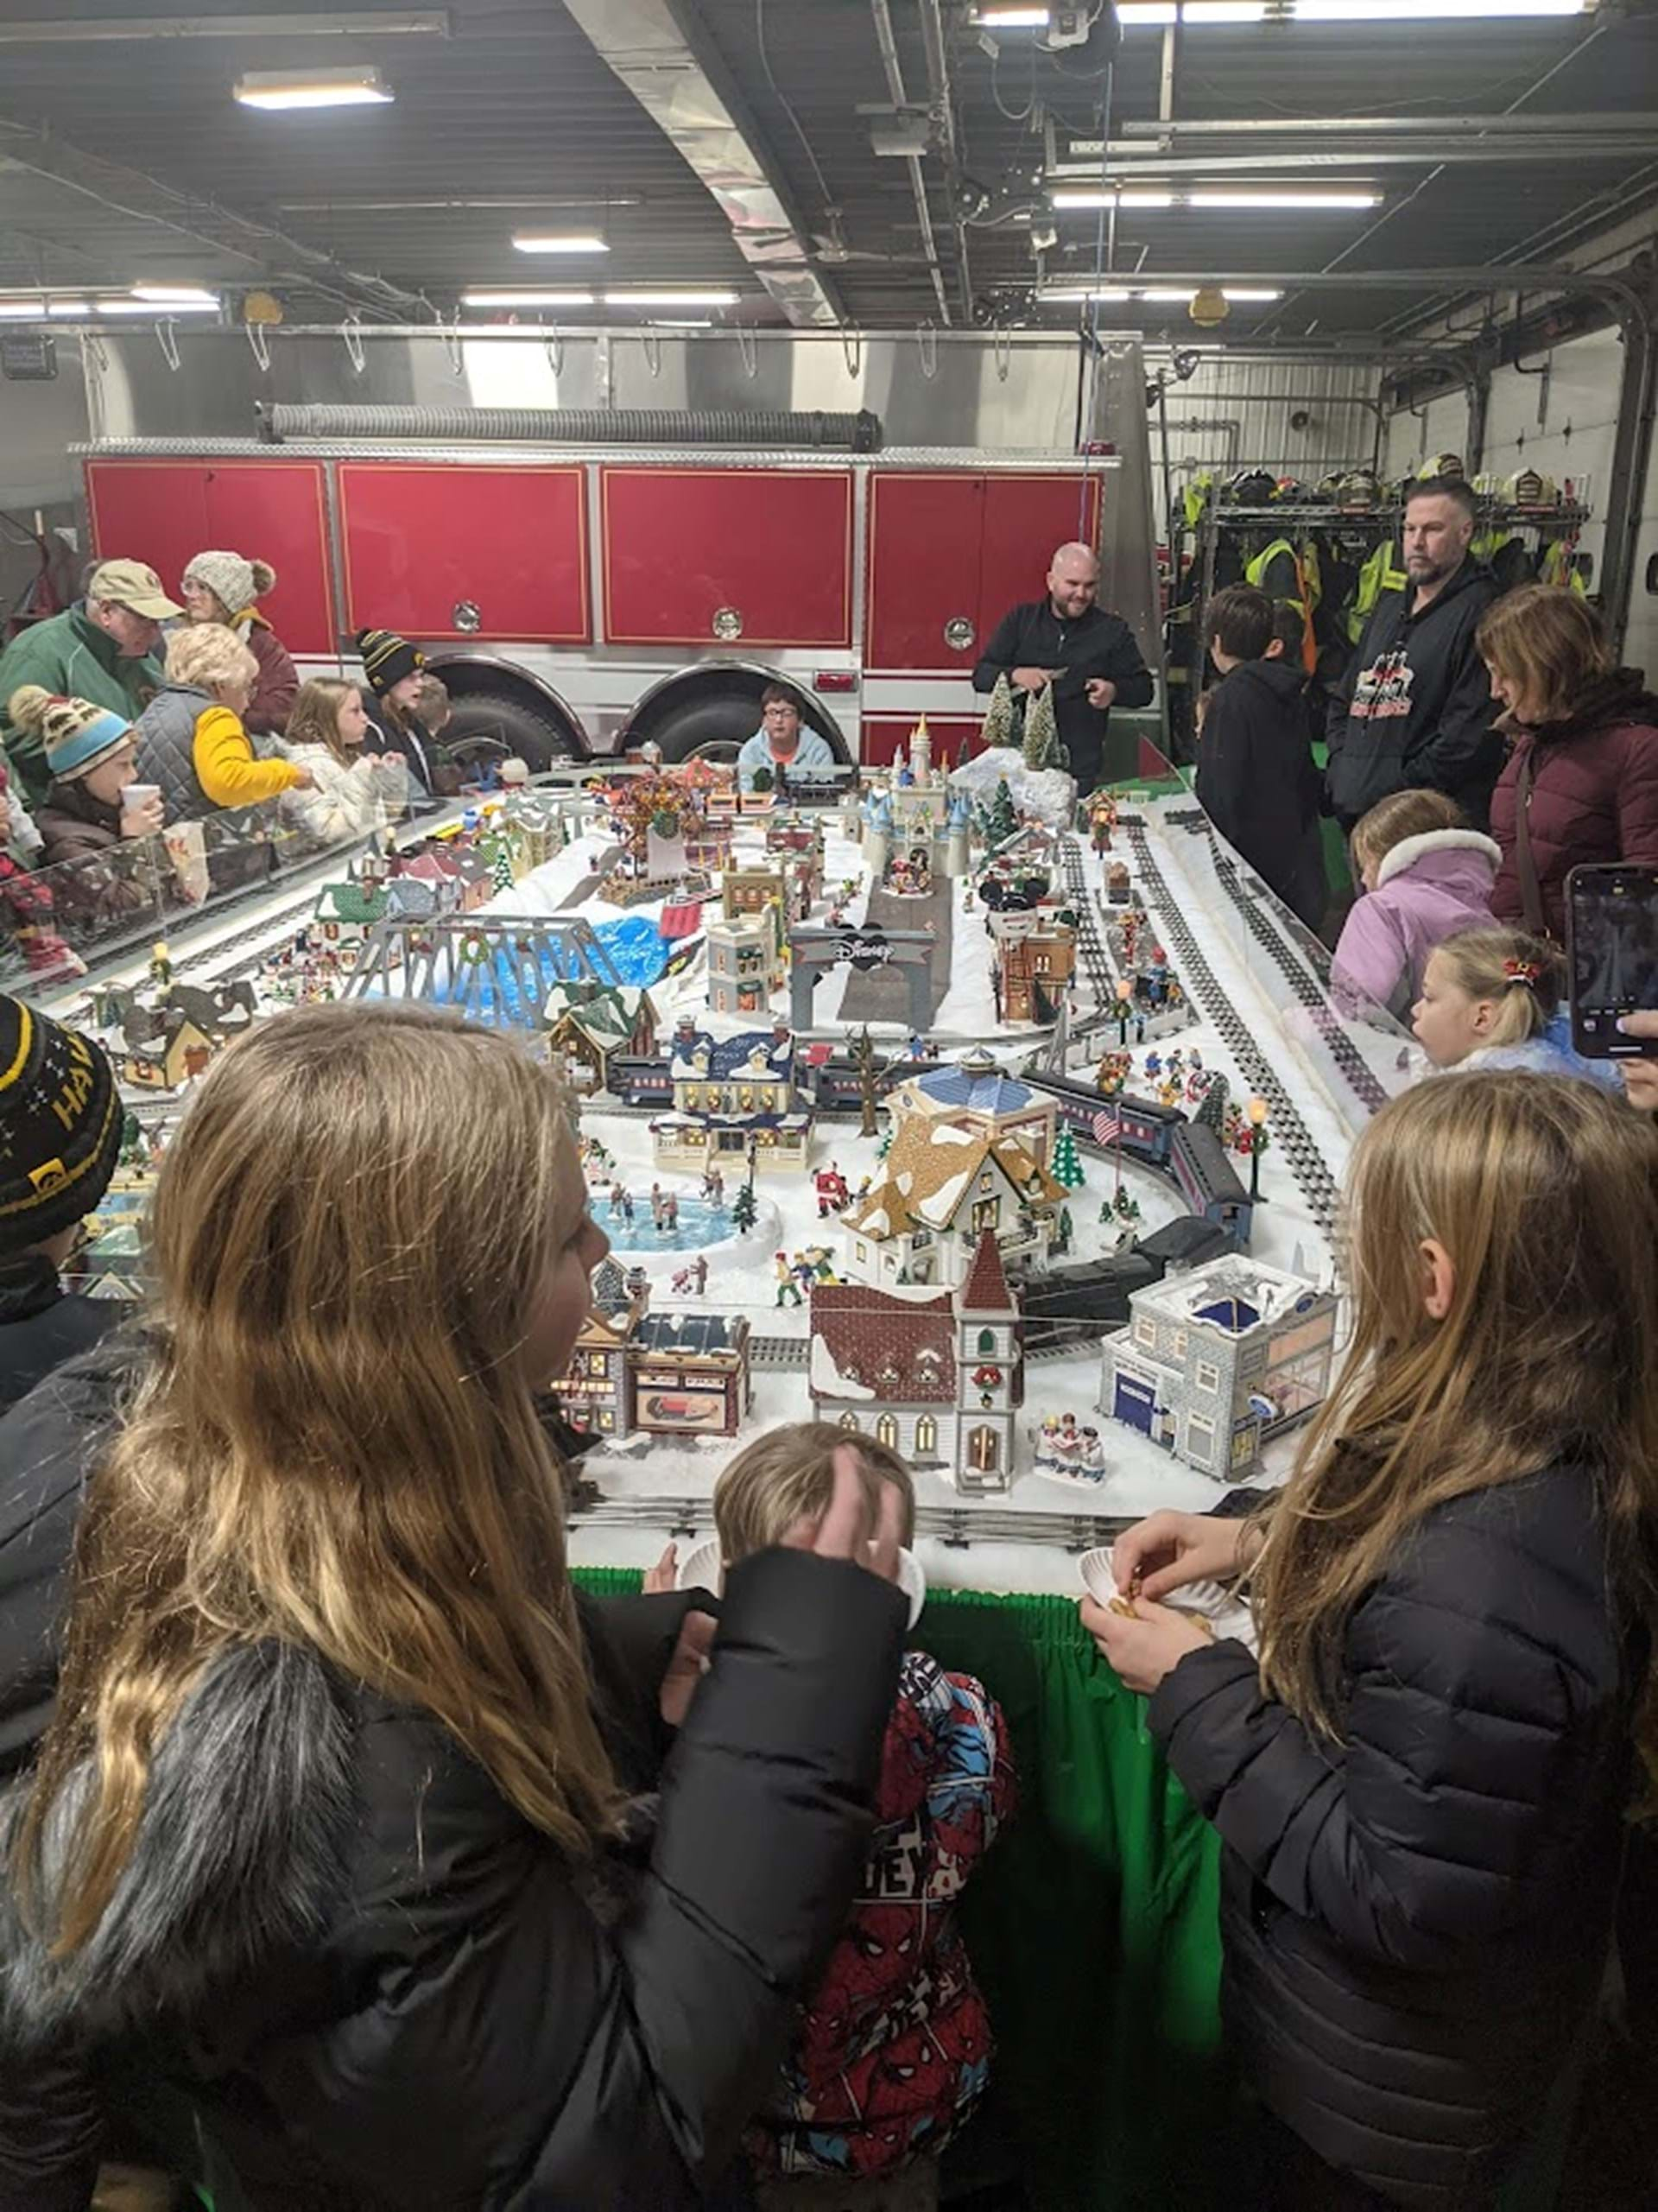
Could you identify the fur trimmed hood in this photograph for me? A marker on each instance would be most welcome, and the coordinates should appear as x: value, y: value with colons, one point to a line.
x: 1410, y: 850
x: 239, y: 1859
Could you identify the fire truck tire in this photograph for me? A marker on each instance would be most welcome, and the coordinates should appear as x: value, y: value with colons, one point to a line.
x: 490, y: 725
x: 715, y: 725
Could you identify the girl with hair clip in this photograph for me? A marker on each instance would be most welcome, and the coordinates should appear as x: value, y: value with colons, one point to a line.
x: 1421, y: 1784
x: 1492, y: 999
x: 329, y: 1825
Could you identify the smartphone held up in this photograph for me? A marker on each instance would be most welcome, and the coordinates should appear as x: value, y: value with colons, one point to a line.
x: 1612, y: 936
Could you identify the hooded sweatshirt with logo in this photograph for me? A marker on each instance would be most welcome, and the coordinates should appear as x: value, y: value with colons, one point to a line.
x: 1415, y: 710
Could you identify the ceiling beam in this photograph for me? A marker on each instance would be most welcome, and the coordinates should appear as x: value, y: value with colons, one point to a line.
x: 351, y: 22
x: 661, y: 51
x: 135, y: 194
x: 1395, y: 126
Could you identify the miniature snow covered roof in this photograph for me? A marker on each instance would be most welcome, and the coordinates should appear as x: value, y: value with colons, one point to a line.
x: 867, y: 1345
x: 349, y: 901
x: 931, y: 1166
x: 756, y: 1053
x: 703, y: 1336
x: 1232, y: 1294
x: 985, y: 1290
x: 607, y: 1013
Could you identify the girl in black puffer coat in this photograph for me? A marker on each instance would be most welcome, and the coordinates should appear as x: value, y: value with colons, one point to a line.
x: 331, y: 1838
x: 1422, y: 1784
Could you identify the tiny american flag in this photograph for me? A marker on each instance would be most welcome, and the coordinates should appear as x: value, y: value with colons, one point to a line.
x: 1107, y: 1128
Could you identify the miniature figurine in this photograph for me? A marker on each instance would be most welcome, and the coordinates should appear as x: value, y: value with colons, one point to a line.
x: 787, y: 1288
x: 160, y: 968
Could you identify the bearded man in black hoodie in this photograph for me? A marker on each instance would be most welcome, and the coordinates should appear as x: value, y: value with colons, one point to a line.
x: 1256, y: 781
x: 1415, y: 711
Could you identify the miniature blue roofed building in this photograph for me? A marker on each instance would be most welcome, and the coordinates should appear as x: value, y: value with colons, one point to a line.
x: 1216, y: 1361
x: 938, y: 1376
x: 974, y: 1089
x: 733, y: 1100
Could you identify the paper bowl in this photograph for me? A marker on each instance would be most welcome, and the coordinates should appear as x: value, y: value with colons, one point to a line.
x: 1095, y: 1567
x: 702, y: 1568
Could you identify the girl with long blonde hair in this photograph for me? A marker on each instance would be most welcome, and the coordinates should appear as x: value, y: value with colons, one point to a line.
x: 353, y: 792
x: 1422, y: 1782
x: 331, y: 1808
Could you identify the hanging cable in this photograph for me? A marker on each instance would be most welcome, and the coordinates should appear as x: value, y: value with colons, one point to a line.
x: 778, y: 94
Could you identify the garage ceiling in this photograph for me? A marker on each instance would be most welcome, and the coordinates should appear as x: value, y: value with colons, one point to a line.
x: 126, y: 159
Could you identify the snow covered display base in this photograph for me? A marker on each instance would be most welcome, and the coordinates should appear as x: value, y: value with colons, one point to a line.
x: 999, y: 1139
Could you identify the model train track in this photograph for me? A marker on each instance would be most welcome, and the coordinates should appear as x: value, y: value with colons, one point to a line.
x: 1294, y: 1140
x: 959, y: 1527
x: 1360, y: 1079
x: 790, y: 1352
x: 1090, y: 945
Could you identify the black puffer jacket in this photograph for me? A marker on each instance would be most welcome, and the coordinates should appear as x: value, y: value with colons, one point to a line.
x: 380, y: 1989
x: 1416, y: 1919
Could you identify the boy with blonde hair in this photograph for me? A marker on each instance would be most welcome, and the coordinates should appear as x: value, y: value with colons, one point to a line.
x: 894, y: 2048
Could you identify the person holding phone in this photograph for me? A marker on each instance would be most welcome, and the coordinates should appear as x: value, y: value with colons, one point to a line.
x: 1580, y: 784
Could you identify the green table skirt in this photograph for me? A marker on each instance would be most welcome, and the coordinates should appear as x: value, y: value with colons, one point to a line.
x: 1093, y: 1923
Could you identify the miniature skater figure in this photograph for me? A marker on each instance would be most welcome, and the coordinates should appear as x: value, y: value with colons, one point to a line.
x: 161, y: 969
x: 787, y: 1288
x: 668, y: 1220
x: 617, y: 1196
x: 627, y: 1207
x: 656, y: 1206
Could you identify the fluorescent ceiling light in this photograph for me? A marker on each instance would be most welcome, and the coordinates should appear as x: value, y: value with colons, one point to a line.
x: 160, y: 309
x: 1066, y: 200
x: 1180, y: 298
x: 493, y: 298
x: 1331, y: 200
x: 175, y: 295
x: 1430, y: 11
x: 559, y: 242
x: 1195, y: 14
x: 1249, y: 298
x: 1114, y: 295
x: 1012, y: 19
x: 688, y: 299
x: 1157, y: 296
x: 306, y: 88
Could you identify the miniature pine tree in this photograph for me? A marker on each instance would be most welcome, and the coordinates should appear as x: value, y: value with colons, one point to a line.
x: 1004, y: 820
x: 998, y: 715
x: 1042, y: 747
x: 744, y: 1209
x: 501, y: 867
x: 885, y: 1145
x: 761, y: 780
x: 1211, y: 1106
x: 1067, y: 1167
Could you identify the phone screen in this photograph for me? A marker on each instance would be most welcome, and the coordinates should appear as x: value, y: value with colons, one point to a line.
x: 1612, y: 949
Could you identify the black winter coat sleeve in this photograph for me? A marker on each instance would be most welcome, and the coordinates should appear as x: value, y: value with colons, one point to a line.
x: 1124, y: 665
x: 1481, y: 1688
x: 491, y: 2019
x: 1001, y: 656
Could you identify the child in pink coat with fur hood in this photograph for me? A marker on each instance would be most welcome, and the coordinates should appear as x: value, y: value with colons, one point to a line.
x: 1426, y: 875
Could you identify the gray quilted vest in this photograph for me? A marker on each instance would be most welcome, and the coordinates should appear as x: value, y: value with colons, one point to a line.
x: 166, y: 731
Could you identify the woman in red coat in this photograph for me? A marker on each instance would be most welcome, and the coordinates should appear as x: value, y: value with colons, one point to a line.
x: 1581, y: 780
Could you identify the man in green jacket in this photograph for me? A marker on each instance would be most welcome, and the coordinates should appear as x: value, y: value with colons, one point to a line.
x: 106, y: 648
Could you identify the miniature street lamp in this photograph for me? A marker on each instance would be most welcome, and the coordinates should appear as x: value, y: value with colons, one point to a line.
x: 1258, y: 1141
x: 1125, y: 995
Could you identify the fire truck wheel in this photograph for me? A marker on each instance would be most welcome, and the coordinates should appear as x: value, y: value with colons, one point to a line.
x: 490, y: 725
x: 714, y: 725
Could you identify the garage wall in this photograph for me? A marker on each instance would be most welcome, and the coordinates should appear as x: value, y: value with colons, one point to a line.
x: 1260, y: 397
x: 37, y: 476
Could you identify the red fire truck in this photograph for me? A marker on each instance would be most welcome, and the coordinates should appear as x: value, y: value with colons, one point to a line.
x: 576, y: 597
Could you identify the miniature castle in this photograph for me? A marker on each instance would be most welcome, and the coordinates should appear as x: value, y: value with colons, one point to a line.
x: 938, y: 1378
x: 914, y: 812
x: 1214, y: 1361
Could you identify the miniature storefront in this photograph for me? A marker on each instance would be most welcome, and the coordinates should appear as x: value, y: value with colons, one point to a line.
x: 733, y: 1097
x: 1215, y: 1360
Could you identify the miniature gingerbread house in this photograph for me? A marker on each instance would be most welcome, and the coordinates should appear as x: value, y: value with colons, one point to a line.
x: 944, y: 1185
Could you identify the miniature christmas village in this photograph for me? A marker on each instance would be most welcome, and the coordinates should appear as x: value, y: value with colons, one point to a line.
x: 934, y: 1103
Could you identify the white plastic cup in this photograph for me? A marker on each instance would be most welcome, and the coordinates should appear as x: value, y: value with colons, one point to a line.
x: 134, y: 795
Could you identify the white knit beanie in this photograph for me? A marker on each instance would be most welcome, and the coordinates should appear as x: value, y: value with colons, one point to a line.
x: 237, y: 583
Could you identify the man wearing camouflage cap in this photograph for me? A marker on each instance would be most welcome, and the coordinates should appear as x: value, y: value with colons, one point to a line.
x: 105, y: 647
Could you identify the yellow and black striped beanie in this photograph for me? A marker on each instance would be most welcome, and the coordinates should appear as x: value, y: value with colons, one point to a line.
x: 387, y: 658
x: 61, y: 1125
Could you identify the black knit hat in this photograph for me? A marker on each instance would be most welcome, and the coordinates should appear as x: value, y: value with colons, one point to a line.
x: 387, y: 658
x: 61, y: 1125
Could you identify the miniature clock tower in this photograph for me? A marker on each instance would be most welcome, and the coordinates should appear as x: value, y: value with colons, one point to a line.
x: 990, y: 1374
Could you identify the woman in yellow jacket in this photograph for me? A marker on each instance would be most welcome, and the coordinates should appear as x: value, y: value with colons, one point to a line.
x: 191, y: 741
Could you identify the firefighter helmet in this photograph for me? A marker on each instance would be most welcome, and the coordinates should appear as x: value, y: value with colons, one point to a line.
x: 1360, y: 488
x: 1250, y: 487
x: 1529, y: 487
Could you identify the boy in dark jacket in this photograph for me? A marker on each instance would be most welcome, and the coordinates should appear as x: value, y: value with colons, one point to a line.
x: 1256, y: 777
x: 61, y: 1125
x: 1415, y: 711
